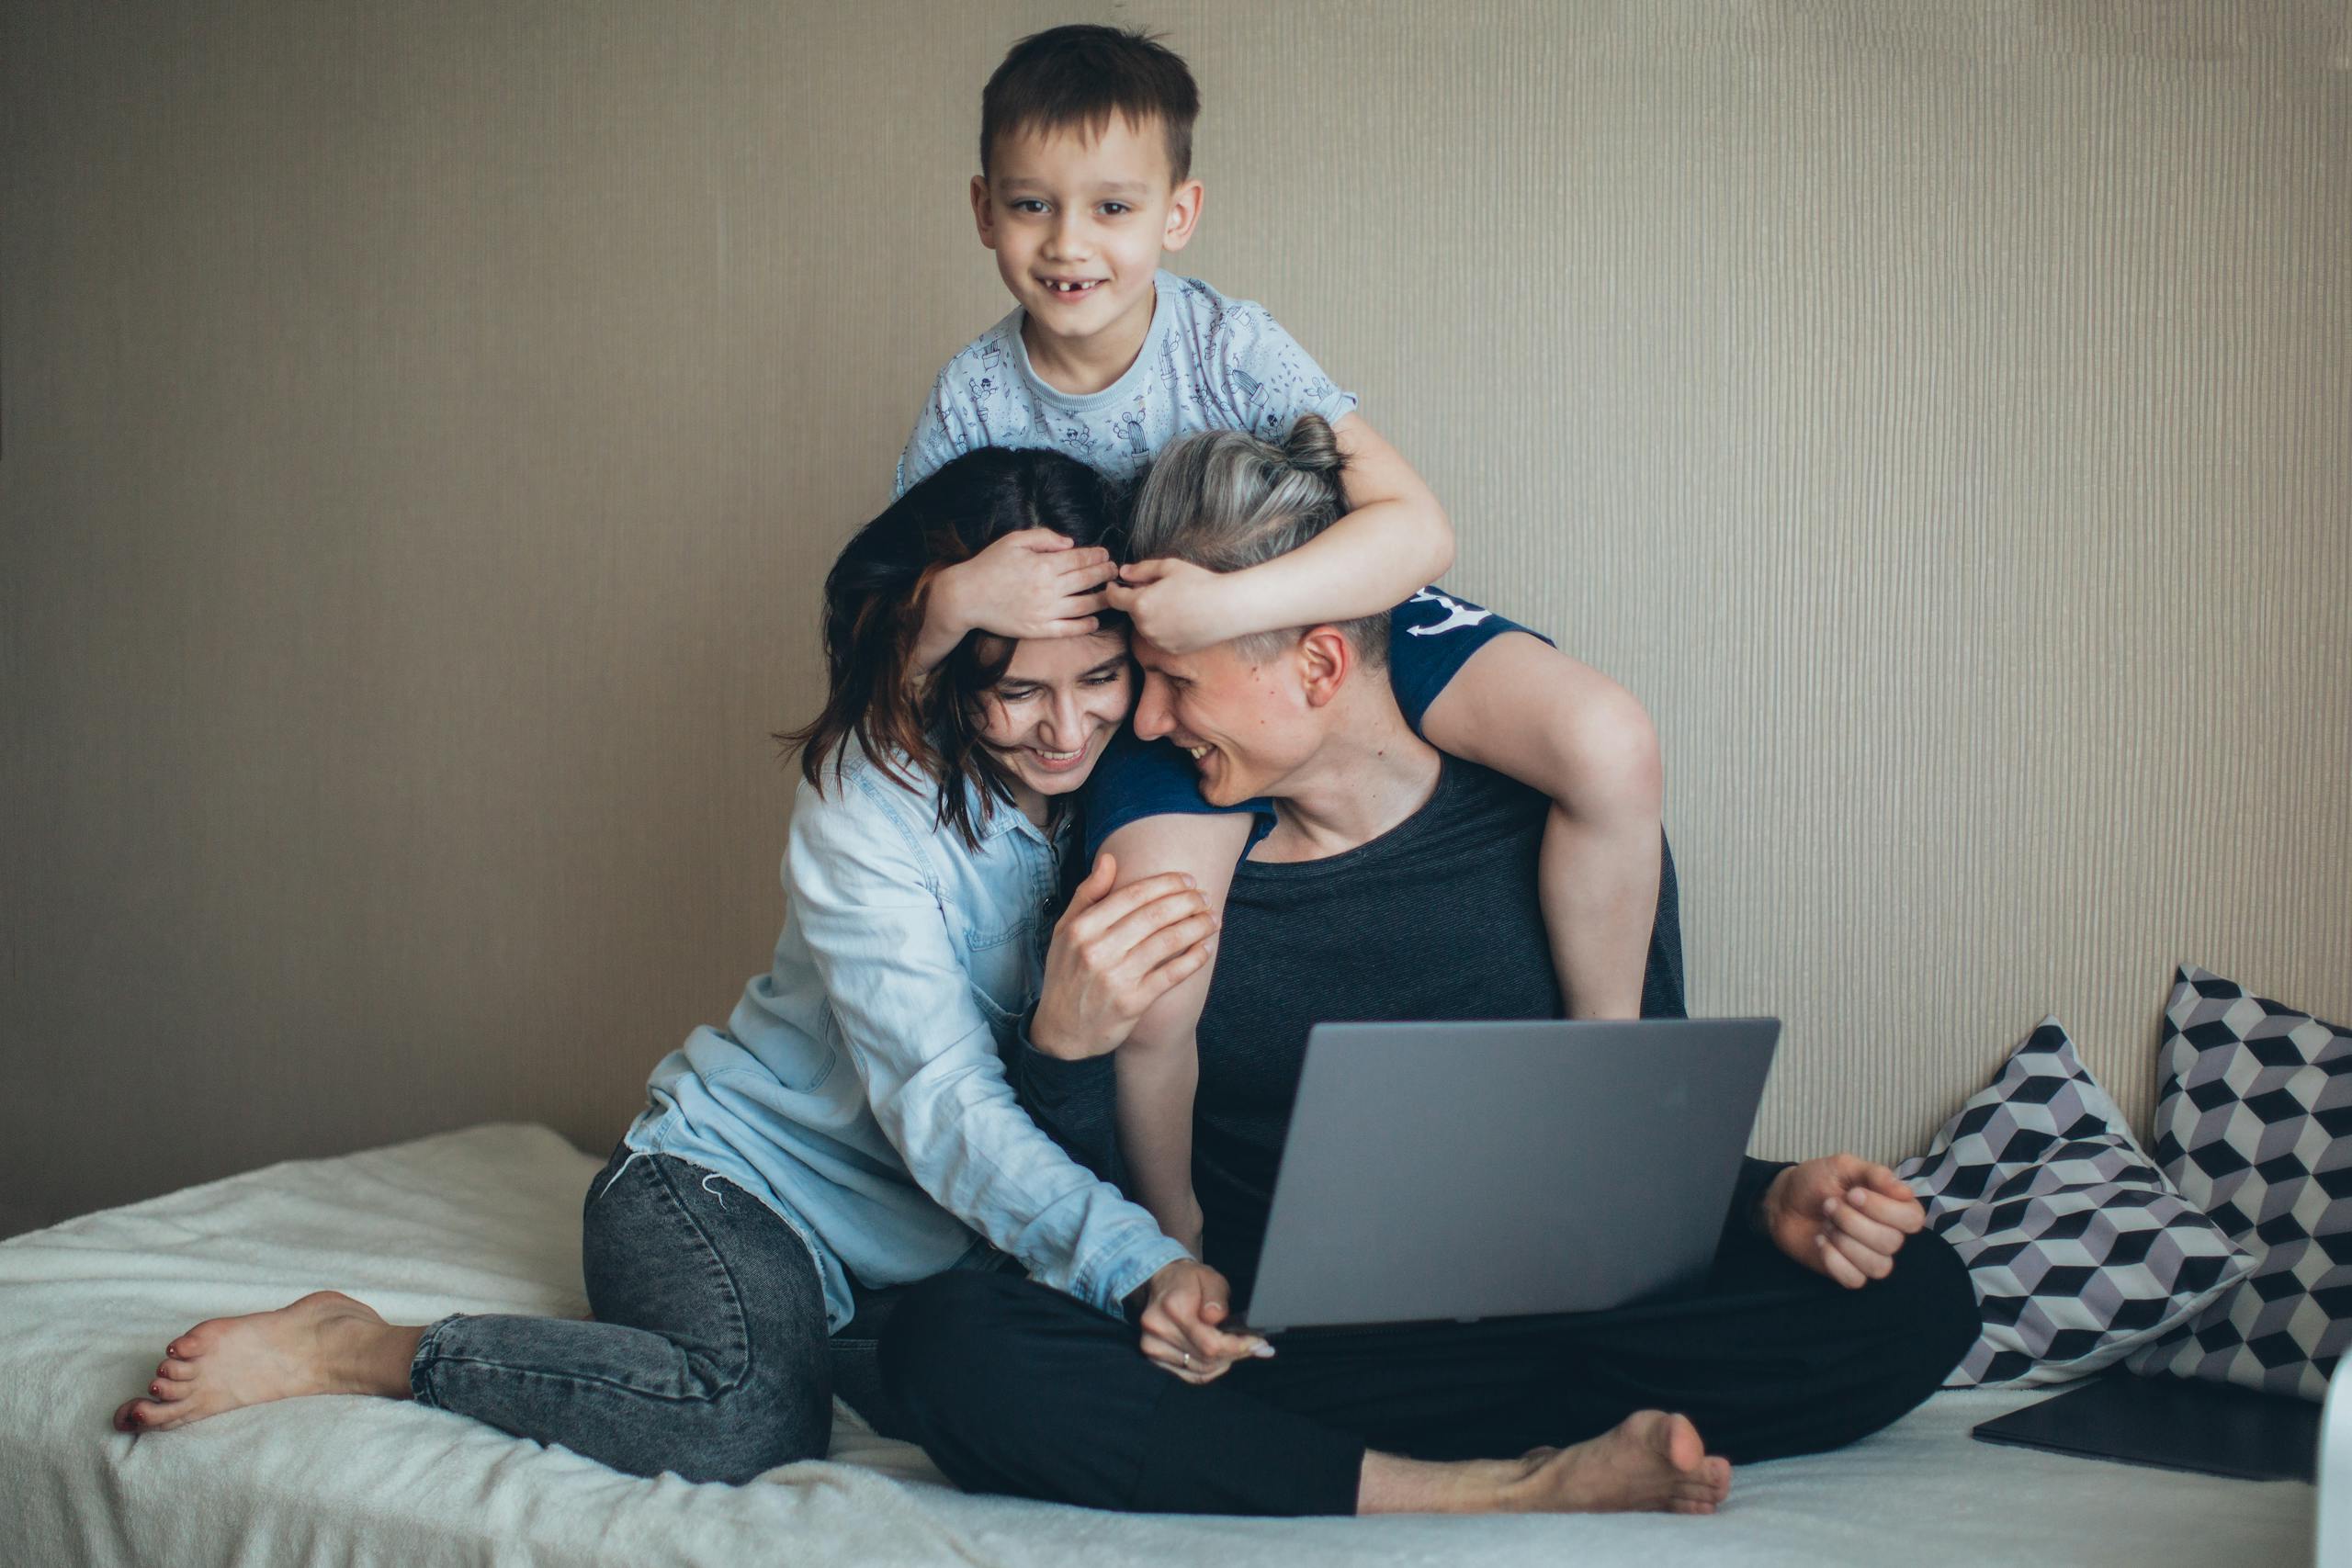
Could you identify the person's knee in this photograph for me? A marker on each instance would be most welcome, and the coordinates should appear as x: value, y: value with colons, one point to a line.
x: 734, y: 1436
x: 742, y: 1439
x: 1929, y: 1312
x: 1948, y: 1302
x: 747, y: 1414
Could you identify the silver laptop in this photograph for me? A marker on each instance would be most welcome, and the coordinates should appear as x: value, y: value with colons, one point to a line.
x: 1494, y: 1169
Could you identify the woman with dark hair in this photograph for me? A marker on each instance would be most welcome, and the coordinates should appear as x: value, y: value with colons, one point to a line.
x: 851, y: 1128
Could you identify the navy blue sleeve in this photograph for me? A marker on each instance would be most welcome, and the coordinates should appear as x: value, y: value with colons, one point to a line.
x: 1137, y: 779
x: 1430, y: 637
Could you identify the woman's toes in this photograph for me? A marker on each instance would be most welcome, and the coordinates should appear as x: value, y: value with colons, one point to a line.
x: 125, y: 1416
x: 175, y: 1369
x: 197, y: 1341
x: 165, y: 1390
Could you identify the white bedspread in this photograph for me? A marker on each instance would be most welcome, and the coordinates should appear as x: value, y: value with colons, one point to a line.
x: 487, y: 1220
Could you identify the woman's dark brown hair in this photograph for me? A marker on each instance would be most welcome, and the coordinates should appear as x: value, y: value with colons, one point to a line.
x: 873, y: 599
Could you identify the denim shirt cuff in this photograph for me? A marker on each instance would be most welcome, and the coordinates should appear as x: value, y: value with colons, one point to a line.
x: 1107, y: 1286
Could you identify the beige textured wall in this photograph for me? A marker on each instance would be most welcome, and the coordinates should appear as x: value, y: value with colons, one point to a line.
x: 426, y: 425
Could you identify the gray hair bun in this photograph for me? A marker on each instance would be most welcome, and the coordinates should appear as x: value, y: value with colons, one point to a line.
x: 1312, y: 447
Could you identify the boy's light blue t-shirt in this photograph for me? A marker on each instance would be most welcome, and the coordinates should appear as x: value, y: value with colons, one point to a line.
x: 1209, y: 362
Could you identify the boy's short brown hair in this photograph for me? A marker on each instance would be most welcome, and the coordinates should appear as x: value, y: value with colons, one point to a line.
x: 1079, y: 76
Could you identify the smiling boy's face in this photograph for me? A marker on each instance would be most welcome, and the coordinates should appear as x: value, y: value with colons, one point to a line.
x: 1078, y: 223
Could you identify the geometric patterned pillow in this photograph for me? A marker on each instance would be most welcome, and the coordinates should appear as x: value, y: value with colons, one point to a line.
x: 2251, y: 1121
x: 2079, y: 1250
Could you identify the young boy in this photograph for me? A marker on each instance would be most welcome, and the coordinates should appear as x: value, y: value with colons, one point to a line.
x: 1085, y: 183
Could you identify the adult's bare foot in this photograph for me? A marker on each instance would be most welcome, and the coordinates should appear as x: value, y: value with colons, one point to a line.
x: 1650, y: 1461
x: 325, y: 1343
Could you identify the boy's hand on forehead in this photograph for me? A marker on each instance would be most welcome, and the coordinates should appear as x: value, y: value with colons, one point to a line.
x: 1034, y: 583
x: 1177, y: 605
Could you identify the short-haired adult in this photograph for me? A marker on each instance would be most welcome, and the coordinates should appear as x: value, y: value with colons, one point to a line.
x: 1386, y: 881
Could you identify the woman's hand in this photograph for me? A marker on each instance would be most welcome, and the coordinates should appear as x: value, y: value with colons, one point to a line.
x: 1177, y: 605
x: 1032, y: 583
x: 1114, y: 954
x: 1183, y: 1306
x: 1842, y: 1217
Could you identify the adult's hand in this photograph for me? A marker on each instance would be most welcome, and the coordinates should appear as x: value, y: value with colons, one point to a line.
x: 1185, y: 1306
x: 1114, y: 954
x: 1842, y: 1217
x: 1031, y: 583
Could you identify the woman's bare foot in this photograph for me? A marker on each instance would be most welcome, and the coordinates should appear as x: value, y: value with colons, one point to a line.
x: 325, y: 1343
x: 1650, y: 1461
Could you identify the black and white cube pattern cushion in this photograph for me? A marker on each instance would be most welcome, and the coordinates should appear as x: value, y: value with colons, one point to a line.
x: 2080, y: 1250
x: 2253, y: 1109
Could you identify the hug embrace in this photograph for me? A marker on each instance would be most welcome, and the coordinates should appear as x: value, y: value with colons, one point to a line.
x: 1146, y: 748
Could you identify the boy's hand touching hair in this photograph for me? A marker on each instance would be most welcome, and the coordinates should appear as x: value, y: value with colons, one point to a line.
x: 1177, y: 605
x: 1032, y: 583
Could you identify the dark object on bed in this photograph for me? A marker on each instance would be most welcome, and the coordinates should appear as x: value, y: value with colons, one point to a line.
x: 2172, y: 1423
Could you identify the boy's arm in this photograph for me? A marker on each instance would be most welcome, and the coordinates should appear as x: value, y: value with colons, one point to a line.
x: 1394, y: 539
x: 1555, y: 724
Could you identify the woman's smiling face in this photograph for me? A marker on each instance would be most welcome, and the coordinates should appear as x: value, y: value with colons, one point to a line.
x: 1054, y: 708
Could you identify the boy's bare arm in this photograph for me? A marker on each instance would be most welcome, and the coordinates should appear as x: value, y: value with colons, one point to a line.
x: 1555, y: 724
x: 1394, y: 541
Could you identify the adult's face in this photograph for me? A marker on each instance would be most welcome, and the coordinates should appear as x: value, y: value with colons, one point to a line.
x: 1249, y: 725
x: 1056, y: 705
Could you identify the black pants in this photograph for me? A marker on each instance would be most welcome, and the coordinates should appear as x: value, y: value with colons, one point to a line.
x: 1014, y: 1388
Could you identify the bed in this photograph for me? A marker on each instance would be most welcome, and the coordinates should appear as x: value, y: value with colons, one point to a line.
x: 487, y: 1220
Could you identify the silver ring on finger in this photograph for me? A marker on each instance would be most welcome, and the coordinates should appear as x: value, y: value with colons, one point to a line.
x: 1187, y: 1360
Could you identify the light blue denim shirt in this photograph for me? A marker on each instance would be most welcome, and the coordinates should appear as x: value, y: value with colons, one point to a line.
x: 858, y: 1088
